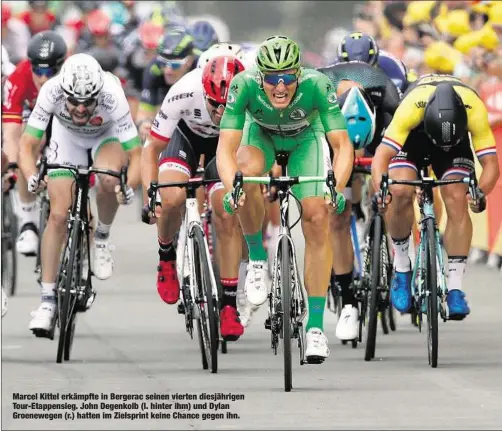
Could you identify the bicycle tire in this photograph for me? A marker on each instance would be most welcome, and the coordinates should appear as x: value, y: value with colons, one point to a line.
x: 369, y: 353
x: 286, y: 312
x: 432, y: 297
x: 64, y: 307
x: 9, y: 224
x: 203, y: 277
x: 42, y: 222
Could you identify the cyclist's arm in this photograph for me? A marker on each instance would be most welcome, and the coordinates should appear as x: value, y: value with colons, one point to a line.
x: 336, y: 132
x: 50, y: 95
x: 148, y: 100
x: 162, y: 129
x: 406, y: 118
x: 5, y: 162
x: 12, y: 114
x: 231, y: 127
x: 483, y: 142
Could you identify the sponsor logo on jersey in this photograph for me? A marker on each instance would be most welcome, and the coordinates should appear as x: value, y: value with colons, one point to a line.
x: 297, y: 114
x: 180, y: 96
x: 264, y: 102
x: 96, y: 121
x: 65, y: 115
x: 297, y: 99
x: 162, y: 115
x: 197, y: 113
x: 185, y: 112
x: 55, y: 95
x: 421, y: 104
x: 332, y: 98
x: 155, y: 124
x: 230, y: 98
x: 234, y: 88
x: 108, y: 101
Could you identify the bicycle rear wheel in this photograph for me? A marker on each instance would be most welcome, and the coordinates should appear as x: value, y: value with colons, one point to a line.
x: 207, y: 303
x: 67, y: 294
x: 9, y: 254
x: 432, y: 296
x: 374, y: 291
x: 286, y: 312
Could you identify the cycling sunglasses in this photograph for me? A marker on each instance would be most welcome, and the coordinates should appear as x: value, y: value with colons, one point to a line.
x: 75, y: 102
x: 276, y: 78
x: 214, y: 103
x: 173, y: 63
x: 49, y: 72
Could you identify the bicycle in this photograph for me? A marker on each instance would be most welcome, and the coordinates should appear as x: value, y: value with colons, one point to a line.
x: 73, y: 284
x: 373, y: 287
x: 428, y: 287
x: 199, y: 289
x: 9, y: 236
x: 287, y: 299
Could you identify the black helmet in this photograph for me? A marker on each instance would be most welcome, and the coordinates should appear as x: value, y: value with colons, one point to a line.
x: 47, y: 49
x: 445, y: 117
x: 358, y: 47
x: 107, y: 58
x: 176, y: 43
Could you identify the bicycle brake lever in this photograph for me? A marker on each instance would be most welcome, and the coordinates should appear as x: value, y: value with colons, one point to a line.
x: 384, y: 188
x: 331, y: 182
x: 42, y: 169
x: 236, y: 192
x: 152, y: 195
x: 123, y: 180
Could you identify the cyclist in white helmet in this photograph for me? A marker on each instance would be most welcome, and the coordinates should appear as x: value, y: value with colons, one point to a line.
x: 218, y: 49
x: 91, y: 113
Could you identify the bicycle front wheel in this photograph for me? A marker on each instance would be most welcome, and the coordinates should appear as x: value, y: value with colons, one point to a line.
x: 66, y: 294
x: 207, y: 303
x: 432, y: 294
x: 9, y: 237
x: 374, y: 291
x: 286, y: 311
x: 44, y: 216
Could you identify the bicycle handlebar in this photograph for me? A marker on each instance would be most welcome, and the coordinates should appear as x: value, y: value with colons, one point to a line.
x: 81, y: 170
x: 283, y: 183
x: 471, y: 181
x: 191, y: 184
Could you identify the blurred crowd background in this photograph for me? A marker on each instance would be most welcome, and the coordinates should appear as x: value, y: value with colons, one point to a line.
x: 462, y: 38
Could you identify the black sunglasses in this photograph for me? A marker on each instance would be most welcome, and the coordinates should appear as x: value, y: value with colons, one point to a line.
x: 214, y: 103
x: 76, y: 102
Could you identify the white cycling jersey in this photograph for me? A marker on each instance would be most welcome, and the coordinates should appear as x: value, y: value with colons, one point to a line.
x: 111, y: 121
x: 185, y: 101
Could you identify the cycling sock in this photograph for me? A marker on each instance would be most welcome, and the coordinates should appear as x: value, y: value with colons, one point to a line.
x: 167, y: 253
x: 48, y: 292
x: 456, y: 269
x: 345, y: 282
x: 401, y: 257
x: 255, y: 245
x: 229, y: 296
x: 28, y: 213
x: 316, y: 312
x: 102, y: 231
x: 358, y: 212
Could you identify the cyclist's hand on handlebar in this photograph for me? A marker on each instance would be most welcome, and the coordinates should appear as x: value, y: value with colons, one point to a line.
x: 35, y: 185
x: 146, y: 216
x: 121, y: 199
x: 229, y: 204
x: 338, y: 205
x: 477, y: 205
x: 388, y: 199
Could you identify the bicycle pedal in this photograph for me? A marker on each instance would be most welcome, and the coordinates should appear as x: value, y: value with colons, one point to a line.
x: 457, y: 317
x: 230, y: 338
x: 43, y: 333
x: 268, y: 325
x: 315, y: 360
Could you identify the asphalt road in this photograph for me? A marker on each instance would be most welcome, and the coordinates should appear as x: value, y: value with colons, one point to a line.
x: 132, y: 343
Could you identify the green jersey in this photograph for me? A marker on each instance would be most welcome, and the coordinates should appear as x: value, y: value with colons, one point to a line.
x: 314, y: 105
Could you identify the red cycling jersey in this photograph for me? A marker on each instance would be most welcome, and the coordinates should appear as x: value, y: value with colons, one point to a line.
x: 45, y: 24
x: 19, y: 90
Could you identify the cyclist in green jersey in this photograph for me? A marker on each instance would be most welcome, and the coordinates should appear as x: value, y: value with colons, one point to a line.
x: 280, y: 106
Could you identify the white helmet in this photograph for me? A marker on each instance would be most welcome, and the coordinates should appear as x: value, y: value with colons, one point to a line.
x: 218, y: 49
x: 82, y: 77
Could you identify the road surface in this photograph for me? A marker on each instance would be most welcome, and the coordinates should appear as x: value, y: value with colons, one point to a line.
x: 130, y: 342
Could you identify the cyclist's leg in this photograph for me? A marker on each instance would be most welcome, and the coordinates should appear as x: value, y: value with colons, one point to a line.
x: 400, y: 217
x: 457, y: 163
x: 228, y: 234
x: 62, y: 149
x: 255, y: 156
x: 177, y: 163
x: 107, y: 153
x: 311, y: 157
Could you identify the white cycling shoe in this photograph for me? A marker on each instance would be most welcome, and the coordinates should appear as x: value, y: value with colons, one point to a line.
x: 27, y: 241
x: 257, y: 282
x: 347, y: 327
x: 5, y: 302
x: 103, y: 261
x: 316, y: 346
x: 42, y: 317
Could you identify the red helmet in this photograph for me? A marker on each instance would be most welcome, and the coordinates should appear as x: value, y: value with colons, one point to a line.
x: 150, y: 34
x: 99, y: 23
x: 6, y: 13
x: 217, y: 74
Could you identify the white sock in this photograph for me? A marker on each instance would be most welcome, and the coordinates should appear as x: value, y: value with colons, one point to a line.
x: 401, y: 257
x: 28, y: 213
x: 48, y: 292
x: 102, y: 231
x: 456, y: 269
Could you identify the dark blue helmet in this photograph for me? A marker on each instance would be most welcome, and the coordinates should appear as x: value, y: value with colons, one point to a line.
x: 394, y: 69
x: 204, y: 34
x: 176, y: 43
x: 358, y: 47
